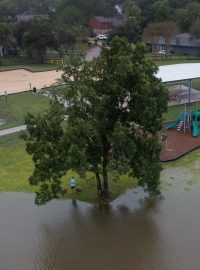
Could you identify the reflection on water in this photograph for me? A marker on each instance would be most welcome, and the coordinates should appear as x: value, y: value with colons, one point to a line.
x: 133, y: 232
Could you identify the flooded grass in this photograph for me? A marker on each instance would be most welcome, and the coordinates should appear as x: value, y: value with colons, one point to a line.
x: 16, y: 166
x: 181, y: 174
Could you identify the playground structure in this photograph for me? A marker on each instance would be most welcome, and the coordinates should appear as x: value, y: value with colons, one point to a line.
x: 176, y: 144
x: 177, y: 73
x: 187, y: 120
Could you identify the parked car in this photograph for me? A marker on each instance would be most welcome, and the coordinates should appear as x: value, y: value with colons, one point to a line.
x: 162, y: 52
x: 165, y: 52
x: 102, y: 37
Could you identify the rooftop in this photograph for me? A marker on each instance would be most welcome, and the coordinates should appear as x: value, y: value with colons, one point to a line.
x: 178, y: 72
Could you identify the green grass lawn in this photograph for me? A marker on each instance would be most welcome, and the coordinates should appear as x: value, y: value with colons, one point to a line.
x: 172, y: 62
x: 17, y: 106
x: 16, y: 166
x: 32, y: 68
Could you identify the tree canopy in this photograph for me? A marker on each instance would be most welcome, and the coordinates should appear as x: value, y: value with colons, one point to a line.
x: 37, y: 38
x: 111, y: 122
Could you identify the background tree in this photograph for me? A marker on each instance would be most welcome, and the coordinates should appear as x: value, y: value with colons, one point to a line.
x: 131, y: 29
x: 7, y: 42
x: 162, y: 11
x: 71, y: 15
x: 188, y: 15
x: 112, y: 122
x: 39, y: 36
x: 169, y: 30
x: 152, y: 34
x: 175, y: 4
x: 166, y: 29
x: 195, y: 29
x: 66, y: 39
x: 183, y: 19
x: 193, y: 10
x: 18, y: 31
x: 7, y: 10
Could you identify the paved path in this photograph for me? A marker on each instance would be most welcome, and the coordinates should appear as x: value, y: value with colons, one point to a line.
x: 12, y: 130
x: 93, y: 53
x: 23, y: 127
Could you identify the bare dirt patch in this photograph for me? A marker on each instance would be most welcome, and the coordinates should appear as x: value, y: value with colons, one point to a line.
x: 15, y: 81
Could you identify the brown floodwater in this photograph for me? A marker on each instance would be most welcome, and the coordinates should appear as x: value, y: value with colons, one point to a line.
x: 132, y: 233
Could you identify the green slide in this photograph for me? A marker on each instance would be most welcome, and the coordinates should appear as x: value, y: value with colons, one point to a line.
x: 171, y: 125
x: 195, y: 127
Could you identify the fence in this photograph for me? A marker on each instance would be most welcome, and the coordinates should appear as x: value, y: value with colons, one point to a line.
x: 56, y: 61
x: 171, y: 57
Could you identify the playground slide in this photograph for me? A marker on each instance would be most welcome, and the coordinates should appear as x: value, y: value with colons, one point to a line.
x: 173, y: 124
x: 195, y: 128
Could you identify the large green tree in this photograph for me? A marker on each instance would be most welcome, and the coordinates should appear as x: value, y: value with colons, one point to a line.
x: 113, y: 113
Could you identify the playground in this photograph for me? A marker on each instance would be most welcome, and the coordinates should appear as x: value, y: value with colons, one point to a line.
x: 178, y: 144
x: 182, y: 134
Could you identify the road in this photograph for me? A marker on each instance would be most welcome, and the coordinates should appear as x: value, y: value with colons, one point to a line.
x: 93, y: 52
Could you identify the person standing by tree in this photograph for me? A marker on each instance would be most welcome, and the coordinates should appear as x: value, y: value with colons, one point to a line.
x: 73, y: 184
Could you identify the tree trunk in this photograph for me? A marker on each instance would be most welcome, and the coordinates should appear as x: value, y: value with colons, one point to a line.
x: 105, y: 181
x: 99, y: 187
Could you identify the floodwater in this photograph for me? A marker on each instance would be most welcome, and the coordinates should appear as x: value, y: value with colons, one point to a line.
x: 132, y: 233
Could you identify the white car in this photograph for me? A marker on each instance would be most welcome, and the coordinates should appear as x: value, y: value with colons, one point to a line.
x: 162, y: 52
x: 102, y: 37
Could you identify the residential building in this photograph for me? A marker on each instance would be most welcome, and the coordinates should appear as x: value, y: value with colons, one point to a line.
x: 102, y: 25
x: 181, y: 44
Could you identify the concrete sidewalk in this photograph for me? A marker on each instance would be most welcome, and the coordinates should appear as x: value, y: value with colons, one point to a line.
x: 12, y: 130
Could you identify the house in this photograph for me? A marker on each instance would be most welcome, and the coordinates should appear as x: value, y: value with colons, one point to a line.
x: 181, y: 44
x: 26, y: 17
x: 102, y: 25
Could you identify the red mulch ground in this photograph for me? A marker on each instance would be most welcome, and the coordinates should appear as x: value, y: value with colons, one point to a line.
x: 178, y: 144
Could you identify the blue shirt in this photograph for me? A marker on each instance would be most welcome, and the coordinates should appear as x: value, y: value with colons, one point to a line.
x: 73, y: 182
